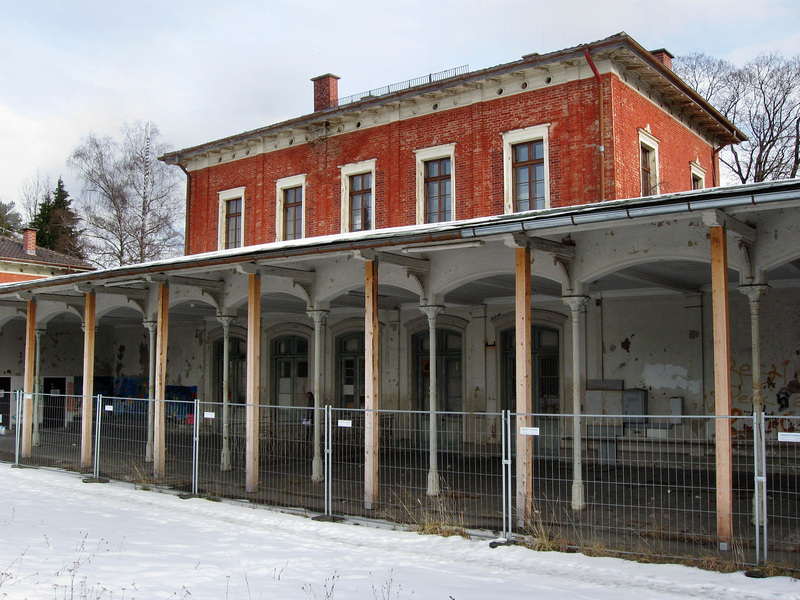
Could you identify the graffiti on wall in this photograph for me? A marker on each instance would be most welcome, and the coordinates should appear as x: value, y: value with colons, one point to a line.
x: 780, y: 393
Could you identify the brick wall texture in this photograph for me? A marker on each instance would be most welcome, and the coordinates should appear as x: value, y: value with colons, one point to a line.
x: 570, y: 109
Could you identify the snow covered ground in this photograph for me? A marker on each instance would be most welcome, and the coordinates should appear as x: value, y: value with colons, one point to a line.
x: 62, y: 538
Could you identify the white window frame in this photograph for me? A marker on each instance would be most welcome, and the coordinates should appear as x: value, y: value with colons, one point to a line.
x: 434, y: 153
x: 284, y: 184
x: 222, y: 225
x: 347, y: 171
x: 697, y: 172
x: 648, y: 140
x: 511, y: 139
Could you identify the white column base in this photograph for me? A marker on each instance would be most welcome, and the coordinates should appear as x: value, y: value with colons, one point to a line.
x: 577, y: 496
x: 433, y: 482
x: 317, y: 473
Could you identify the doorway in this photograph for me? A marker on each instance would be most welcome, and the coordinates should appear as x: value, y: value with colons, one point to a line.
x: 449, y: 387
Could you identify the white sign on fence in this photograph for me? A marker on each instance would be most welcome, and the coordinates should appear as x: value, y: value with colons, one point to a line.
x: 784, y: 436
x: 529, y: 431
x: 28, y: 396
x: 345, y: 423
x: 109, y: 408
x: 208, y: 415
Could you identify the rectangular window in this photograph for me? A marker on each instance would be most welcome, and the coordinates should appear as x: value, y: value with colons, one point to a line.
x: 360, y: 202
x: 290, y: 218
x: 436, y: 196
x: 526, y: 184
x: 648, y: 163
x: 438, y: 191
x: 233, y: 223
x: 528, y: 169
x: 698, y: 174
x: 293, y: 213
x: 647, y: 174
x: 230, y: 223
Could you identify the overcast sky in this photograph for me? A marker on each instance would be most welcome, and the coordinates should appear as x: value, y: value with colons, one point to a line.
x: 206, y: 69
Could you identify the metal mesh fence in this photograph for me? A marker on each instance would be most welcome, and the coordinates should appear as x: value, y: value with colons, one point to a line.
x: 631, y: 484
x: 782, y: 461
x: 645, y: 485
x: 55, y: 432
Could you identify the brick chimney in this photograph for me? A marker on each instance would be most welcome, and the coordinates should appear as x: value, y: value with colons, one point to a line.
x: 326, y: 91
x: 29, y: 240
x: 664, y: 57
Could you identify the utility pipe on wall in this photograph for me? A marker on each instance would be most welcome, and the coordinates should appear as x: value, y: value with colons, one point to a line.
x: 601, y: 147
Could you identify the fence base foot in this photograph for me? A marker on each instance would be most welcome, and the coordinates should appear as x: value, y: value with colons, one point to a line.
x: 95, y: 480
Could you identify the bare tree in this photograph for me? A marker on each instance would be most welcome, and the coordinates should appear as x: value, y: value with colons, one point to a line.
x: 762, y: 99
x: 132, y: 206
x: 32, y: 192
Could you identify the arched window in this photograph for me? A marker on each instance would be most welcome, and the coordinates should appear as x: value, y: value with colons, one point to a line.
x: 237, y: 369
x: 545, y: 367
x: 290, y: 369
x: 350, y: 349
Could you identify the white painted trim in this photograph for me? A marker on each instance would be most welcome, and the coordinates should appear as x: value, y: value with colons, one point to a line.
x: 518, y: 136
x: 648, y: 140
x: 222, y: 230
x: 432, y: 153
x: 697, y: 171
x: 359, y: 168
x: 284, y: 184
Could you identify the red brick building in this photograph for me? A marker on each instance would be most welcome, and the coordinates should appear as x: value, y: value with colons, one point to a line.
x: 602, y: 121
x: 23, y: 260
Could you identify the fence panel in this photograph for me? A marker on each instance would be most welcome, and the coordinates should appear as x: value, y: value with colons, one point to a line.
x: 782, y: 460
x: 123, y: 450
x: 55, y: 432
x: 286, y: 452
x: 649, y: 486
x: 463, y: 491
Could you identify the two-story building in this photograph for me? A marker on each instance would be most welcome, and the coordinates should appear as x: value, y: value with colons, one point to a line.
x: 532, y: 237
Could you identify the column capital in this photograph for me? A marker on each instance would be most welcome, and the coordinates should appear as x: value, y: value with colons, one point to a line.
x: 431, y: 311
x: 40, y: 331
x: 753, y: 292
x: 575, y: 303
x: 150, y: 325
x: 318, y: 315
x: 226, y: 320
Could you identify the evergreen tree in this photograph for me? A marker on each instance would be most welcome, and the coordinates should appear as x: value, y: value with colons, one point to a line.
x: 57, y: 224
x: 9, y: 218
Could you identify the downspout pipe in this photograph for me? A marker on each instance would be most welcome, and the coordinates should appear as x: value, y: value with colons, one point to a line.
x: 601, y: 147
x: 188, y: 204
x: 714, y: 153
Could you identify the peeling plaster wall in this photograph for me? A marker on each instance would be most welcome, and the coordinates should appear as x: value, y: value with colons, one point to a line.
x: 12, y: 347
x: 647, y: 342
x: 131, y: 352
x: 780, y: 353
x: 185, y: 355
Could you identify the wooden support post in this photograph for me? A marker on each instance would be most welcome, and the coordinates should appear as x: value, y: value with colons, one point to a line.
x: 30, y: 367
x: 162, y: 339
x: 524, y: 383
x: 371, y: 386
x: 87, y: 404
x: 252, y: 412
x: 722, y: 384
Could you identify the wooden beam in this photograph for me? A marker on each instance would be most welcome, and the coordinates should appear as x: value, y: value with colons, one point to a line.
x: 252, y: 412
x: 87, y: 428
x: 524, y: 381
x: 722, y: 383
x: 409, y: 262
x: 162, y: 340
x: 29, y: 379
x: 737, y: 228
x: 371, y: 385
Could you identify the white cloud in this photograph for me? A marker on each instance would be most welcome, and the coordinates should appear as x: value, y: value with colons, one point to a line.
x: 204, y: 70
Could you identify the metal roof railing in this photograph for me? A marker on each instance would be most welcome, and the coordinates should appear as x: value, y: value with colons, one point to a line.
x: 404, y: 85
